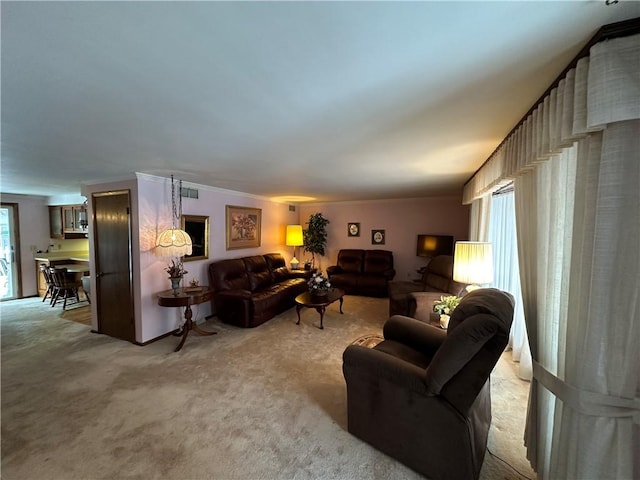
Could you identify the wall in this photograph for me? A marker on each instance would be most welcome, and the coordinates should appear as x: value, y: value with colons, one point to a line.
x: 154, y: 206
x: 34, y: 231
x: 402, y: 220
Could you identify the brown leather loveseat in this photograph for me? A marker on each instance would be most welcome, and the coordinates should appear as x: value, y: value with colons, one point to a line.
x: 249, y: 291
x: 363, y: 272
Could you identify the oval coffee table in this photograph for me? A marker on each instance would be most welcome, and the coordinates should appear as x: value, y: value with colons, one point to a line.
x: 320, y: 303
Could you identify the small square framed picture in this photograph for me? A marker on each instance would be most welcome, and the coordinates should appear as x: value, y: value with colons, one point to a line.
x: 353, y: 229
x: 377, y: 237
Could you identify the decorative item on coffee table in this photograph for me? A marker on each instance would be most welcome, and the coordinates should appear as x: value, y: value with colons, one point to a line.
x: 445, y: 307
x: 319, y: 285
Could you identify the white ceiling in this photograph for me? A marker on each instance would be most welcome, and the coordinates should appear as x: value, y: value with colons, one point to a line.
x: 328, y: 100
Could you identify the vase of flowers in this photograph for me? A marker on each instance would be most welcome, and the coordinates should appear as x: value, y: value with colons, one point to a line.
x: 176, y: 271
x: 318, y: 284
x: 445, y: 307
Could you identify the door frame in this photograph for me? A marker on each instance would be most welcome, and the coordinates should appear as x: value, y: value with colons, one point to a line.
x: 98, y: 270
x: 16, y: 265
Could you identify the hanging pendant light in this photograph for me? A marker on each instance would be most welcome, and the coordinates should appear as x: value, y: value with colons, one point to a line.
x: 174, y: 242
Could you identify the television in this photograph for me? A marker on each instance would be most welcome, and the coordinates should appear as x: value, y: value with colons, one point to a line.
x: 434, y: 245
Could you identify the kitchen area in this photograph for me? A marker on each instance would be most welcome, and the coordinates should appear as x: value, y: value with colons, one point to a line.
x: 41, y: 230
x: 69, y: 247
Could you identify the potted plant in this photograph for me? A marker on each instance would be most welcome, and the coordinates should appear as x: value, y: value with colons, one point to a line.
x: 315, y: 236
x: 176, y: 271
x: 444, y: 307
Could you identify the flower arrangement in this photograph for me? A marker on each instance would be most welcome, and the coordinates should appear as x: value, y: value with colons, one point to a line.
x: 176, y: 269
x: 318, y: 282
x: 446, y: 305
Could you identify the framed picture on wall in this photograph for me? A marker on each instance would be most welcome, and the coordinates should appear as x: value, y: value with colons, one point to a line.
x: 197, y: 226
x: 243, y: 227
x: 377, y: 237
x: 353, y: 229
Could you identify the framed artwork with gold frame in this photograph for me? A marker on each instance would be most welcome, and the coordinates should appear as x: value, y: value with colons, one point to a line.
x: 243, y: 227
x: 197, y: 226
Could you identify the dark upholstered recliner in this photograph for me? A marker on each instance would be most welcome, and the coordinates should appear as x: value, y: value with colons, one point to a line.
x: 363, y: 272
x: 422, y: 395
x: 436, y: 281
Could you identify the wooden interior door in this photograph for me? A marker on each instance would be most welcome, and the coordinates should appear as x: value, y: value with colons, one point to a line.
x: 114, y: 281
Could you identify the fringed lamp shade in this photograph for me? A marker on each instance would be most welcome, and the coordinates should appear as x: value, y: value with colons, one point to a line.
x: 473, y: 263
x: 173, y: 243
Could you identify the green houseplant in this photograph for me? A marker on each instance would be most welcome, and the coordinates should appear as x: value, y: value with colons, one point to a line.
x: 315, y: 236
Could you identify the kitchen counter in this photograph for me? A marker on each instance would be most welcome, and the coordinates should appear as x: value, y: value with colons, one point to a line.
x: 74, y: 261
x: 62, y: 255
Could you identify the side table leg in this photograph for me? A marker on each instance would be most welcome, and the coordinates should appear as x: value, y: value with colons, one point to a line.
x: 186, y: 327
x: 199, y: 331
x: 298, y: 308
x: 185, y: 332
x: 341, y: 299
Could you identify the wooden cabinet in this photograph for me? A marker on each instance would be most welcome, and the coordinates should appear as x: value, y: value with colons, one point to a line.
x: 68, y: 221
x: 74, y: 219
x: 55, y: 222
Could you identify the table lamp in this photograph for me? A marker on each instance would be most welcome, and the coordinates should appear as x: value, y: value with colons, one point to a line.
x: 473, y: 264
x: 294, y: 239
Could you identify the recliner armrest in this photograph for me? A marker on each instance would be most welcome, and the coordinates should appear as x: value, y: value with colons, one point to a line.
x: 416, y: 334
x: 361, y: 361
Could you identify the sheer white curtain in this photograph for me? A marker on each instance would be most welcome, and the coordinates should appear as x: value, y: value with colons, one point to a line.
x: 576, y: 170
x: 502, y: 235
x: 480, y: 219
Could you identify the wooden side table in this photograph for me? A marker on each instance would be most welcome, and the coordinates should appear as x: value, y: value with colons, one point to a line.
x: 185, y: 298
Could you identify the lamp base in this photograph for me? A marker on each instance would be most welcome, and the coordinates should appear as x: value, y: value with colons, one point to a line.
x: 295, y: 264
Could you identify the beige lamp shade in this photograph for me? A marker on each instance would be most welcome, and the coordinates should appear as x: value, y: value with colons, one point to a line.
x: 473, y: 263
x: 294, y: 236
x: 173, y: 243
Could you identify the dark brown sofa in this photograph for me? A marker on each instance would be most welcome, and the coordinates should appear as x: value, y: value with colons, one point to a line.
x: 422, y: 396
x: 363, y: 272
x: 249, y: 291
x: 437, y: 280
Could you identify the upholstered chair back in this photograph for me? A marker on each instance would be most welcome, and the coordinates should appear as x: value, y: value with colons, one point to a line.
x: 478, y: 334
x: 229, y: 274
x: 351, y: 261
x: 438, y: 276
x: 378, y: 261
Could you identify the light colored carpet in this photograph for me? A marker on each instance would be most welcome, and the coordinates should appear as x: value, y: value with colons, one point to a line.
x: 263, y: 403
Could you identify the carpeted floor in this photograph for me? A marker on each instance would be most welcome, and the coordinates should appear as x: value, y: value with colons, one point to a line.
x: 263, y: 403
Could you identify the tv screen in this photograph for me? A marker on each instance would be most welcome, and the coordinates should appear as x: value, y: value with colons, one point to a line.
x: 434, y: 245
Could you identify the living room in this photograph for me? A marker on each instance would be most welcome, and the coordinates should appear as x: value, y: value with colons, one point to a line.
x: 441, y: 194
